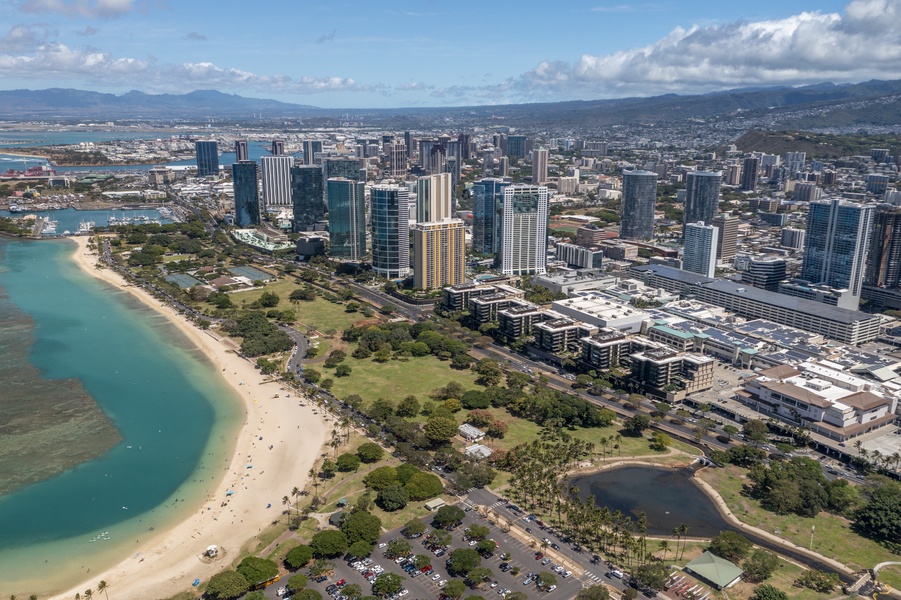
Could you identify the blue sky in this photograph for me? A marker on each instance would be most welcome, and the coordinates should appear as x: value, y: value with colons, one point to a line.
x: 395, y: 53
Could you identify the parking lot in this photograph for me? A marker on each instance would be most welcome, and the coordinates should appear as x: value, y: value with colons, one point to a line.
x: 426, y: 585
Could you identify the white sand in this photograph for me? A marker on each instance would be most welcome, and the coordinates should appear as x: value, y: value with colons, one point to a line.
x: 170, y: 561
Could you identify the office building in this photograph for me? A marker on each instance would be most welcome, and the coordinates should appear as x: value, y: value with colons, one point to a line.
x: 397, y: 159
x: 749, y: 174
x: 438, y: 254
x: 278, y: 148
x: 307, y: 197
x: 807, y: 192
x: 838, y: 235
x: 702, y: 196
x: 312, y: 152
x: 884, y: 260
x: 516, y: 146
x: 765, y: 273
x: 436, y: 160
x: 241, y: 151
x: 276, y: 172
x: 795, y: 162
x: 539, y: 166
x: 727, y: 236
x: 524, y: 230
x: 848, y: 326
x: 639, y: 202
x: 792, y: 238
x: 579, y: 256
x: 699, y: 255
x: 434, y: 197
x: 207, y: 152
x: 342, y: 167
x: 487, y: 203
x: 247, y: 193
x: 503, y: 166
x: 390, y: 230
x: 877, y: 183
x: 346, y: 218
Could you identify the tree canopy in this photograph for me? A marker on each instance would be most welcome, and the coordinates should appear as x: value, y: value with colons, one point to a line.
x: 329, y: 543
x: 299, y: 556
x: 448, y: 515
x: 361, y: 525
x: 227, y: 584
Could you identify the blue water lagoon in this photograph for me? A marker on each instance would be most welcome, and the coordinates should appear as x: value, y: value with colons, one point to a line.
x: 112, y: 423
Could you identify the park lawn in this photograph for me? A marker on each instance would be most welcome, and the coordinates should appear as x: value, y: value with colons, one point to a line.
x: 833, y: 537
x: 396, y: 379
x: 169, y: 258
x: 891, y: 575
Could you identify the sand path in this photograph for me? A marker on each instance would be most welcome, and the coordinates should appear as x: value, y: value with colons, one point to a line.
x: 168, y: 562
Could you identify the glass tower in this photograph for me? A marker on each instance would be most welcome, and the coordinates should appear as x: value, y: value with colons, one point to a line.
x: 307, y: 197
x: 346, y: 218
x: 884, y: 264
x: 838, y: 234
x: 702, y: 196
x: 639, y: 200
x: 488, y: 197
x: 390, y: 230
x: 247, y: 193
x: 207, y: 158
x: 341, y: 166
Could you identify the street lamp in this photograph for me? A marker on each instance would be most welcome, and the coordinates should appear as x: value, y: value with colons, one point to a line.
x: 812, y: 529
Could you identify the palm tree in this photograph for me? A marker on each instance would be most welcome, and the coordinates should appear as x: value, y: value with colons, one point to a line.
x: 857, y: 445
x: 77, y: 596
x: 664, y: 546
x: 103, y: 586
x: 683, y: 531
x: 88, y: 593
x: 345, y: 425
x: 295, y: 492
x: 313, y: 474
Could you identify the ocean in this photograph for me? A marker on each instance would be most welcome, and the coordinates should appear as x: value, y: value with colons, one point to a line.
x: 151, y: 415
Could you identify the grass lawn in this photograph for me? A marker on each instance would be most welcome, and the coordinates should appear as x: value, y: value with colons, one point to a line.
x: 176, y: 257
x: 833, y: 536
x: 397, y: 378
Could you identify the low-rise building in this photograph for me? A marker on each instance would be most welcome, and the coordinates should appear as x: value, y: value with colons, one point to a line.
x: 468, y: 432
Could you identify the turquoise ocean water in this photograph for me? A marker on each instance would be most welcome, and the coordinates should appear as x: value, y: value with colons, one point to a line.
x: 176, y: 417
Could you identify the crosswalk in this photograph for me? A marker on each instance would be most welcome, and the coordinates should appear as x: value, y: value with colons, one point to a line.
x: 496, y: 504
x: 592, y: 576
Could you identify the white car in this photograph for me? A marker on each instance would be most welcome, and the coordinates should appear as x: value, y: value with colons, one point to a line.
x: 472, y: 542
x: 382, y: 545
x: 403, y: 592
x: 552, y: 588
x: 442, y: 583
x: 281, y: 591
x: 436, y: 577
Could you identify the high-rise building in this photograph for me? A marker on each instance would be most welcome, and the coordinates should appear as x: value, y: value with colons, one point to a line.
x: 408, y: 142
x: 524, y: 230
x: 700, y: 249
x: 207, y: 152
x: 702, y: 196
x: 792, y: 238
x: 307, y: 197
x: 465, y: 140
x: 516, y: 146
x: 765, y: 273
x: 438, y: 254
x: 727, y: 236
x: 488, y: 161
x: 884, y: 262
x: 539, y: 166
x: 877, y: 183
x: 639, y: 201
x: 276, y: 171
x: 795, y: 162
x: 390, y: 230
x: 503, y: 166
x: 580, y: 257
x: 247, y: 193
x: 807, y: 192
x: 838, y: 236
x: 437, y: 159
x: 346, y: 218
x: 434, y: 197
x: 749, y: 174
x: 278, y: 148
x: 312, y: 148
x: 487, y: 203
x: 345, y: 167
x: 241, y: 151
x: 397, y: 159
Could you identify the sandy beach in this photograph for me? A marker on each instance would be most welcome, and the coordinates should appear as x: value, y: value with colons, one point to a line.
x: 279, y: 438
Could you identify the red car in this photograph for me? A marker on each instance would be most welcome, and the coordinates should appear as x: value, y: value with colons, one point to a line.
x: 341, y: 583
x: 539, y: 556
x: 427, y: 569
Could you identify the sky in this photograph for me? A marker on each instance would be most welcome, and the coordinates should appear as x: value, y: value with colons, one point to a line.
x: 400, y: 53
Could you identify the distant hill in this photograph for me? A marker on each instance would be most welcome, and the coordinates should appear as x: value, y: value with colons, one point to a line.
x: 68, y: 103
x: 816, y: 145
x: 822, y: 105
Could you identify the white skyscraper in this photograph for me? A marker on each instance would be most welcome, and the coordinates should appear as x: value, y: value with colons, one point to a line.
x: 539, y: 166
x: 524, y: 230
x: 434, y: 198
x: 276, y: 175
x: 700, y: 249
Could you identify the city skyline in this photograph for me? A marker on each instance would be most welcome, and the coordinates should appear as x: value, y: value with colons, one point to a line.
x: 372, y: 56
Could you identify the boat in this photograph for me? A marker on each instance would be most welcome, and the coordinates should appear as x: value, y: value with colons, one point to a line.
x: 49, y: 228
x: 15, y: 208
x: 85, y: 227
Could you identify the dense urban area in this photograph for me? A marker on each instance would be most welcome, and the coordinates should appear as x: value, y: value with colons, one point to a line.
x: 492, y: 316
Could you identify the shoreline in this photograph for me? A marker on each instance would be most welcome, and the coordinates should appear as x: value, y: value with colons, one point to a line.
x: 280, y: 437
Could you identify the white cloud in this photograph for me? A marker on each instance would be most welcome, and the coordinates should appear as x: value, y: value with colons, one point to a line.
x: 55, y: 60
x: 84, y: 8
x: 862, y: 43
x: 25, y: 38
